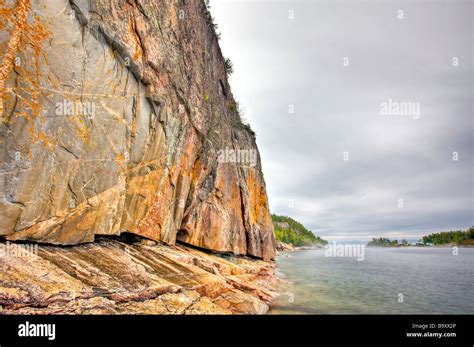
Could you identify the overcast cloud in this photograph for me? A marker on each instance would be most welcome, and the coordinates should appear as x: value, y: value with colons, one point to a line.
x: 279, y: 61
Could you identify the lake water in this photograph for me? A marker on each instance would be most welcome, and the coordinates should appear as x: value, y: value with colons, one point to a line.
x: 413, y: 280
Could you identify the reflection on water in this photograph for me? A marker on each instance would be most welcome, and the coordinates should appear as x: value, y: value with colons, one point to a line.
x: 425, y: 280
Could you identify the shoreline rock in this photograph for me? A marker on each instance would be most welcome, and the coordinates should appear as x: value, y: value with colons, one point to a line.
x: 114, y: 277
x: 307, y: 248
x: 284, y: 247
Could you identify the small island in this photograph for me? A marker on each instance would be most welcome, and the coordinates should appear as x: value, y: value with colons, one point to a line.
x: 384, y: 242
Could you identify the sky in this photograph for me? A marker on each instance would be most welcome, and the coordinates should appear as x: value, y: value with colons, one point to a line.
x: 320, y: 83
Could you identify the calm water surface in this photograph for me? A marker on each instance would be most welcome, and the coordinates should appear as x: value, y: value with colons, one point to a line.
x: 431, y: 280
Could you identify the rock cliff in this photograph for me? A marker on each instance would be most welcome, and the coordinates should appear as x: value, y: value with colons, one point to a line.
x: 117, y: 116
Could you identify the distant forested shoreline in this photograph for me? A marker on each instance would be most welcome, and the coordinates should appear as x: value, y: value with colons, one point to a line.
x: 457, y: 237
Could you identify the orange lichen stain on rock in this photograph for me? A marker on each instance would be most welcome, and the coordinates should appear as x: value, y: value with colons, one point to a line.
x: 258, y: 198
x: 5, y: 13
x: 121, y: 162
x: 38, y: 34
x: 27, y: 92
x: 17, y: 20
x: 196, y: 170
x: 136, y: 40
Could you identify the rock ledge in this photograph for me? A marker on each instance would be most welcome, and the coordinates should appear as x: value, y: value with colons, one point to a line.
x: 114, y: 277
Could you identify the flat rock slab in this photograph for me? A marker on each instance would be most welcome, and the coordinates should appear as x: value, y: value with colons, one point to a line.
x: 114, y: 277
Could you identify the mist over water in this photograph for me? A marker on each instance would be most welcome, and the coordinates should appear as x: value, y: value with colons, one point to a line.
x: 428, y: 280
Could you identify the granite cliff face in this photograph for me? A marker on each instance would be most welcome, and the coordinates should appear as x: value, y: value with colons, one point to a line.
x: 115, y: 115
